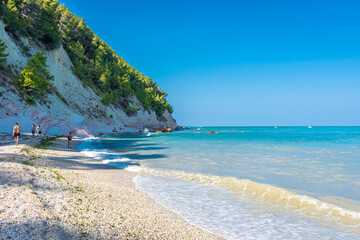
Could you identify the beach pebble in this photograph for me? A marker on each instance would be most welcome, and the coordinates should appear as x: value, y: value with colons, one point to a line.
x: 61, y: 194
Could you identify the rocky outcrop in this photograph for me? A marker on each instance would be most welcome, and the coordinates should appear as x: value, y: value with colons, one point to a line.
x: 75, y: 107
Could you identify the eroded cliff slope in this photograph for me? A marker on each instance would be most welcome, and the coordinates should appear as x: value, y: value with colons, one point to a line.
x: 74, y: 107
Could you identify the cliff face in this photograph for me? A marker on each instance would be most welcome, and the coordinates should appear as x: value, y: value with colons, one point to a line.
x: 77, y: 107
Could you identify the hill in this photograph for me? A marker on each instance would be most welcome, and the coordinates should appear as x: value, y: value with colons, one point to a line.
x: 58, y: 73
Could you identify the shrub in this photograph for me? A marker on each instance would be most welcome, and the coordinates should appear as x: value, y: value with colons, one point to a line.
x: 109, y: 98
x: 30, y: 100
x: 132, y: 110
x: 3, y: 55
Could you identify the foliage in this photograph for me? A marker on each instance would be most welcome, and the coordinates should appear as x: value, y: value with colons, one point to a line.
x: 3, y: 55
x: 45, y: 143
x: 44, y: 26
x: 30, y: 100
x: 12, y: 17
x: 37, y: 18
x: 132, y: 110
x: 35, y: 76
x: 110, y: 97
x: 94, y: 62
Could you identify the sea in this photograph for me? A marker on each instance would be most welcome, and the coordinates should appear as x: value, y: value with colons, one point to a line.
x: 248, y: 182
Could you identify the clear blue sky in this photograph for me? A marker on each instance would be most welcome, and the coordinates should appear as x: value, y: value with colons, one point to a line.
x: 241, y: 62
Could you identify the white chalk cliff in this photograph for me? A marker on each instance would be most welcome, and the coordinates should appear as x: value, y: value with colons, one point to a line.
x: 82, y: 108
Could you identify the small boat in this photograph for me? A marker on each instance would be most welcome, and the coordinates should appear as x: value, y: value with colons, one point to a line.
x: 309, y: 126
x: 275, y: 127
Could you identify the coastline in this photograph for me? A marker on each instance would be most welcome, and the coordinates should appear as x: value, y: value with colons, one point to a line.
x: 50, y: 191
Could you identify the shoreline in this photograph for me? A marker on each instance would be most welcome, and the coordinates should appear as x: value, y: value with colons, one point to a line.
x: 55, y: 192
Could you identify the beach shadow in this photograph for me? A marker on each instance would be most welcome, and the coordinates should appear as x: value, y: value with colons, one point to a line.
x: 46, y: 228
x: 71, y: 162
x: 9, y: 180
x: 40, y: 229
x: 62, y: 157
x: 130, y: 145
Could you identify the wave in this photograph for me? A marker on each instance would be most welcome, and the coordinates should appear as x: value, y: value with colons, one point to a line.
x: 264, y: 193
x: 109, y: 157
x: 271, y: 195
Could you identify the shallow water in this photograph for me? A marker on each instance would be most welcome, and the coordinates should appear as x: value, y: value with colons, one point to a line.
x: 250, y: 182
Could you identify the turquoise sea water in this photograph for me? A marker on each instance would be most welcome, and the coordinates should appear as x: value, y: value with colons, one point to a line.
x: 249, y: 182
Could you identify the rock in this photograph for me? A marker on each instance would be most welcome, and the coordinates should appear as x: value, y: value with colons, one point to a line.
x: 165, y: 129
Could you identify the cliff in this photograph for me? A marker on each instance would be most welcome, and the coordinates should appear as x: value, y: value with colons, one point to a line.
x: 75, y: 106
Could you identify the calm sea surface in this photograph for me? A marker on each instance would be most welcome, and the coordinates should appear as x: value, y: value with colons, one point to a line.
x: 249, y: 182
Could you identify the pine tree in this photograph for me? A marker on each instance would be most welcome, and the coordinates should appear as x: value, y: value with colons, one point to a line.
x: 35, y: 80
x: 46, y: 28
x: 3, y: 55
x: 15, y: 23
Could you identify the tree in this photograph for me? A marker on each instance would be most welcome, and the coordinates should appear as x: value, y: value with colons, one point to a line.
x: 36, y: 76
x: 15, y: 23
x: 76, y: 51
x: 46, y: 28
x: 3, y: 55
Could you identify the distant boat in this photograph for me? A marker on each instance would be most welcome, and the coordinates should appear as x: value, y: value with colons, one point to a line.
x: 309, y: 126
x: 275, y: 127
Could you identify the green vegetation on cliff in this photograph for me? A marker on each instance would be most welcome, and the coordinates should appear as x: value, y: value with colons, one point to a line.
x: 3, y: 55
x: 35, y: 80
x: 95, y: 63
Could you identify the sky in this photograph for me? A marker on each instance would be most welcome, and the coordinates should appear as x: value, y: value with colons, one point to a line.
x: 240, y: 63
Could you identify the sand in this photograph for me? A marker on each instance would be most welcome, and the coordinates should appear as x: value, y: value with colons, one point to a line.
x: 59, y: 193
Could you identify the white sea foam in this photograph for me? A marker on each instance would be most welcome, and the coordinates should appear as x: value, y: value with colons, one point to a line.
x: 118, y: 160
x: 110, y: 157
x: 95, y: 153
x: 91, y: 137
x: 231, y: 215
x: 133, y: 168
x: 270, y: 196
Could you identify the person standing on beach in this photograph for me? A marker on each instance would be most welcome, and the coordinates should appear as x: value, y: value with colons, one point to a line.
x: 38, y: 128
x: 17, y: 133
x: 33, y: 129
x: 69, y: 137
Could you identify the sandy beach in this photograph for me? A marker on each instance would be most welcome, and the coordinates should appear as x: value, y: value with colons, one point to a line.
x: 48, y: 191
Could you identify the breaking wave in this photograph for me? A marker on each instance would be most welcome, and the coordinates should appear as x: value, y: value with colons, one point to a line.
x: 272, y: 195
